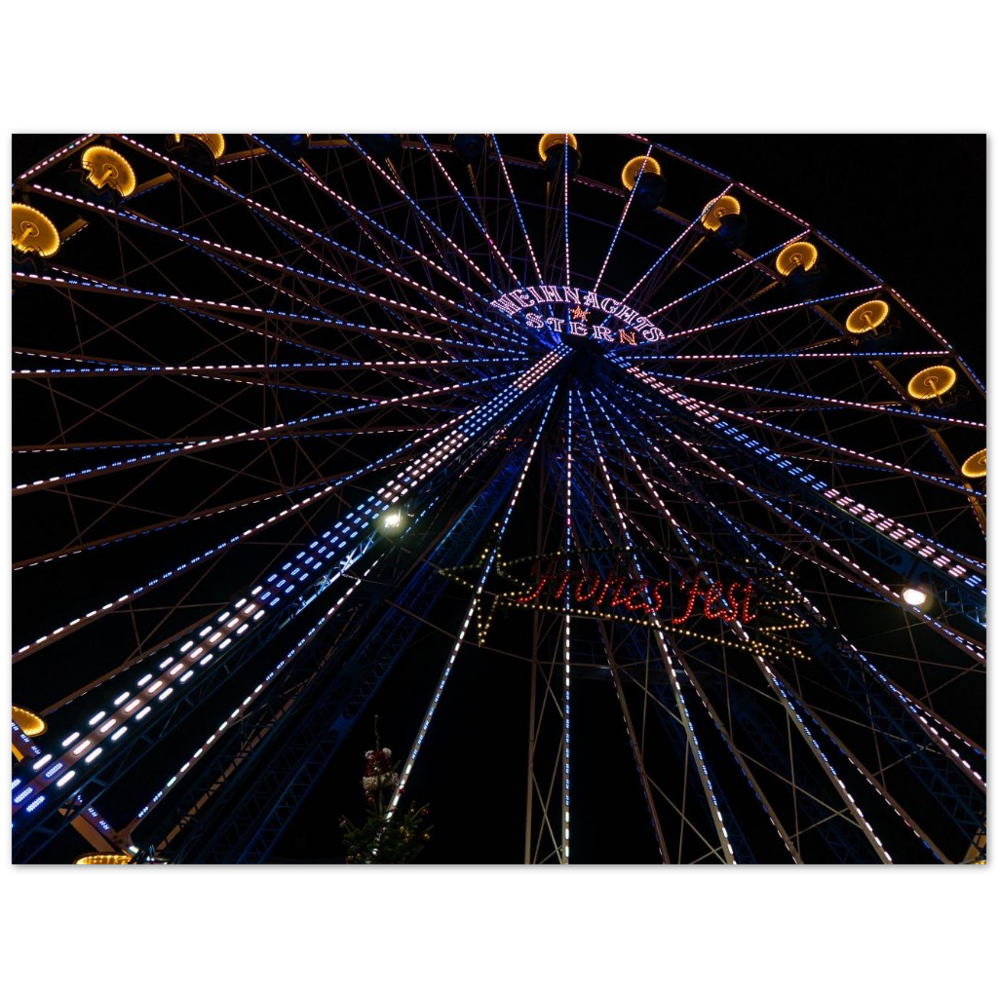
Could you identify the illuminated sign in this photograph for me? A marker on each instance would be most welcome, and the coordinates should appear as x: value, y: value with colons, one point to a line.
x: 571, y: 312
x: 730, y: 602
x: 741, y: 611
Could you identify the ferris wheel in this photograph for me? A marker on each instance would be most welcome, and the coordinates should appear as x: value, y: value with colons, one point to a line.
x: 300, y: 417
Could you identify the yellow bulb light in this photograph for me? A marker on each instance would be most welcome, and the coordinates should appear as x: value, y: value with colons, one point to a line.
x: 932, y: 382
x: 796, y: 255
x: 29, y: 723
x: 33, y: 232
x: 867, y: 316
x: 974, y: 467
x: 552, y: 139
x: 105, y: 167
x: 635, y: 166
x: 715, y: 211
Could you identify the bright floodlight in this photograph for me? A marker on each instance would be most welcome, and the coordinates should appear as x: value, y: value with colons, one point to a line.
x: 392, y: 522
x: 913, y: 596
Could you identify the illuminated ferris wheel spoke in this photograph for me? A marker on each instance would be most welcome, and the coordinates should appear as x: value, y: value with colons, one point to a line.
x: 517, y: 209
x: 567, y: 649
x: 480, y: 224
x: 757, y: 357
x: 278, y: 220
x: 724, y: 846
x: 489, y: 559
x: 565, y: 192
x: 895, y: 408
x: 199, y: 513
x: 425, y: 219
x: 394, y: 272
x: 235, y: 438
x: 667, y: 253
x: 621, y: 222
x: 748, y: 771
x: 775, y: 310
x: 57, y: 157
x: 715, y: 282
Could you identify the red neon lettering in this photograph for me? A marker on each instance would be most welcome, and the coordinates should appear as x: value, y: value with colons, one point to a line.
x: 639, y: 590
x: 590, y: 593
x: 541, y: 586
x: 611, y: 580
x: 714, y: 594
x: 616, y: 598
x: 696, y: 592
x: 567, y: 576
x: 718, y: 601
x: 658, y: 597
x: 732, y: 601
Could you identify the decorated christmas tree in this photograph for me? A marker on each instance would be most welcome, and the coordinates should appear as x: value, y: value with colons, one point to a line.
x: 381, y: 839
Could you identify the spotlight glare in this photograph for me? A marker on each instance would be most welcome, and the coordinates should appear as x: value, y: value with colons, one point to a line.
x: 914, y: 596
x: 392, y: 522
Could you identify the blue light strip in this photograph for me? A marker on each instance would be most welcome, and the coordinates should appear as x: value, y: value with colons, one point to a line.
x: 673, y: 246
x: 246, y: 612
x: 854, y: 260
x: 804, y: 355
x: 746, y: 317
x: 569, y: 278
x: 517, y: 210
x: 420, y: 212
x: 96, y: 366
x: 895, y: 530
x: 488, y: 562
x: 621, y: 221
x: 567, y: 646
x: 686, y: 159
x: 253, y: 434
x: 833, y: 403
x: 312, y: 178
x: 722, y: 277
x: 482, y: 229
x: 692, y: 739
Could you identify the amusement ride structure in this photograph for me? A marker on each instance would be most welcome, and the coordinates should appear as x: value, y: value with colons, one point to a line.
x: 298, y: 418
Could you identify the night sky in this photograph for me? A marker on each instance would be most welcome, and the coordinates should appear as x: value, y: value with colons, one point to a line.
x: 909, y: 207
